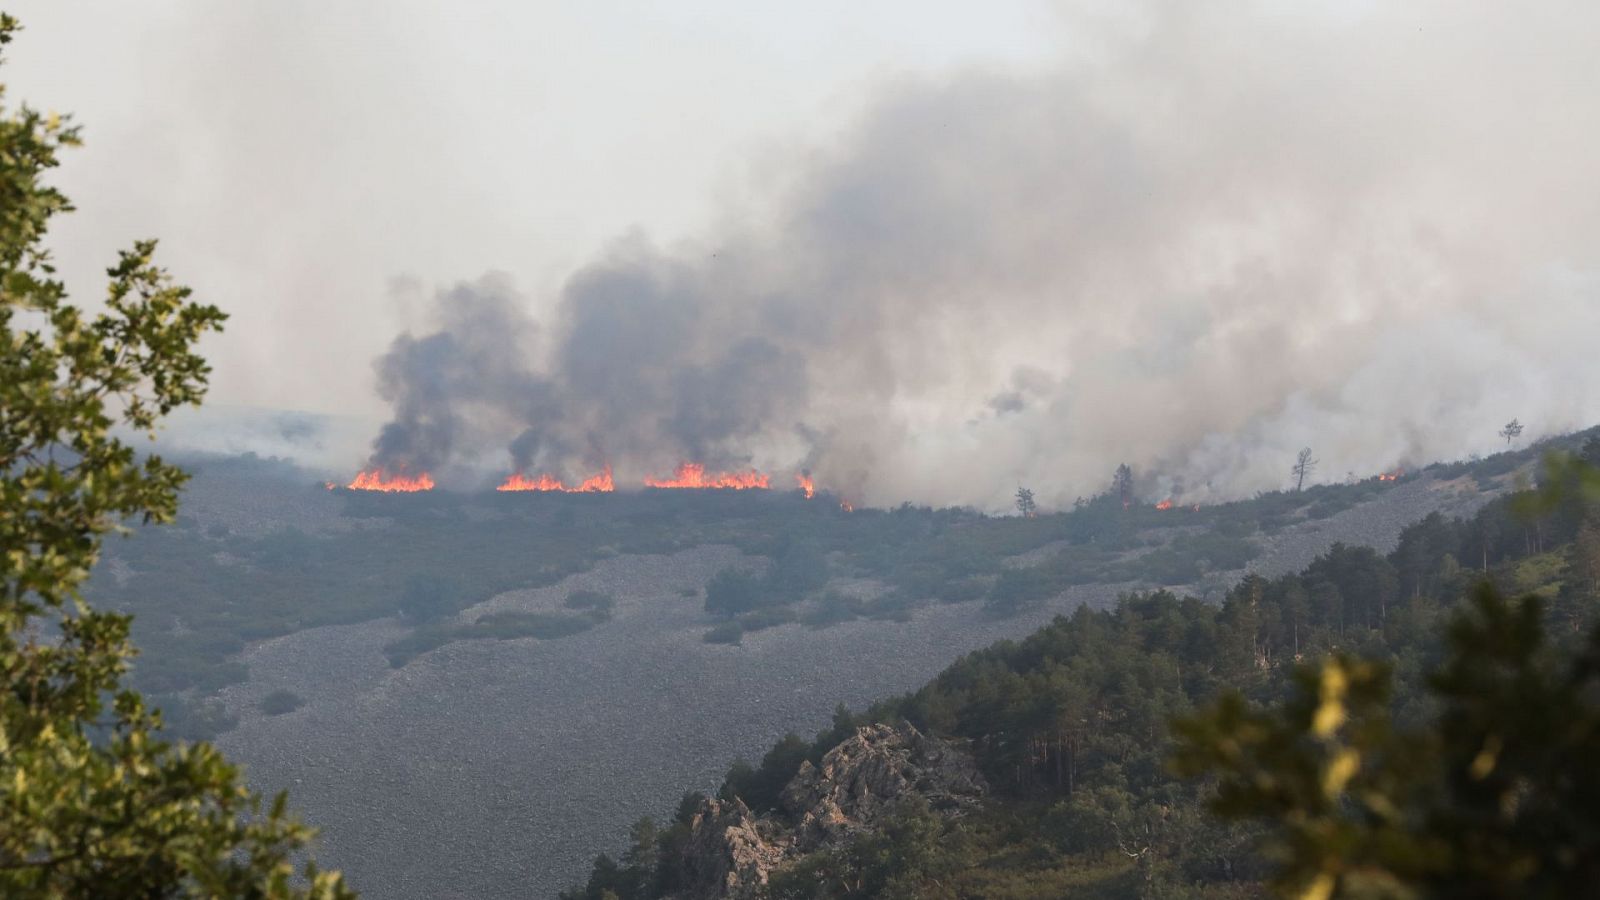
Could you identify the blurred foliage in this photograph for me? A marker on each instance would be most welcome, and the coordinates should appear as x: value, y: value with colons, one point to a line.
x: 1495, y: 795
x: 93, y: 801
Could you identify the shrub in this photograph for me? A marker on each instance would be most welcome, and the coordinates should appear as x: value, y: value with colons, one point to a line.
x: 599, y: 605
x: 733, y: 591
x: 1015, y: 589
x: 766, y: 618
x: 834, y: 607
x: 961, y: 590
x: 427, y: 597
x: 507, y: 626
x: 280, y: 702
x: 500, y: 626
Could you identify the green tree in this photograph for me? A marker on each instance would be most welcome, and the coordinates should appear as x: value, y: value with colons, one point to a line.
x: 1586, y: 559
x: 1496, y: 796
x: 908, y: 856
x: 93, y: 802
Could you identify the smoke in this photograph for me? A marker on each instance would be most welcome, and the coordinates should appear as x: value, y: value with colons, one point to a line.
x: 640, y: 377
x: 1232, y: 232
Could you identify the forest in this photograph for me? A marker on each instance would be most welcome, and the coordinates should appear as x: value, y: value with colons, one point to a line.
x: 1074, y: 725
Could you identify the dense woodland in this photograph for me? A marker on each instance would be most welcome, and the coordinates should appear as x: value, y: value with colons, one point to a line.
x: 1073, y: 724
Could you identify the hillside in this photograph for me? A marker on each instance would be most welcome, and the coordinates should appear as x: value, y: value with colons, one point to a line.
x: 1069, y: 729
x: 404, y: 663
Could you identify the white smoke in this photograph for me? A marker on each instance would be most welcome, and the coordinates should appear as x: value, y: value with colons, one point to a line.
x: 1235, y: 231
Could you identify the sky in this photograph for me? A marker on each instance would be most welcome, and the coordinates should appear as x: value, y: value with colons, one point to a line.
x: 298, y: 159
x: 926, y: 251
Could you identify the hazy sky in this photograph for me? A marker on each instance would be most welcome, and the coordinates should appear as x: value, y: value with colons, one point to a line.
x: 296, y: 157
x: 928, y: 251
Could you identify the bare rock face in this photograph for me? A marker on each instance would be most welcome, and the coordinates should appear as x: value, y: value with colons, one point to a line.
x: 728, y: 856
x: 731, y: 853
x: 863, y: 777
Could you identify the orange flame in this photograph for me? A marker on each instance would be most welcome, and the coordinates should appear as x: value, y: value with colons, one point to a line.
x: 693, y: 476
x: 1392, y: 476
x: 378, y: 480
x: 520, y: 482
x: 806, y: 485
x: 1165, y: 504
x: 597, y: 484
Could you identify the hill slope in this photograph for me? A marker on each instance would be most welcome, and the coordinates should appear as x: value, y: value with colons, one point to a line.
x: 1069, y: 726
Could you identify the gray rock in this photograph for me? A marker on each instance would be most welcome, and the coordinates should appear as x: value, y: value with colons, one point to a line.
x: 863, y: 778
x: 731, y: 853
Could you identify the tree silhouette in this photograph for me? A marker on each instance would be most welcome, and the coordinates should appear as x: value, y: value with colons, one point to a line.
x: 1025, y: 503
x: 1512, y: 431
x: 1122, y: 485
x: 1303, y: 465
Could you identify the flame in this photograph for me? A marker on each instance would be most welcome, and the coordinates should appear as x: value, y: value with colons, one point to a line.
x: 598, y: 484
x: 1392, y: 476
x: 806, y: 485
x: 693, y: 475
x: 520, y: 482
x: 847, y: 506
x: 378, y: 480
x: 1165, y: 504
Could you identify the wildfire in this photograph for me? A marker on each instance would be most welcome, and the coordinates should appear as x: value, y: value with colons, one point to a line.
x: 378, y: 480
x: 806, y: 485
x: 1392, y: 476
x: 693, y: 476
x: 1165, y: 504
x: 598, y: 484
x: 520, y: 482
x: 847, y: 506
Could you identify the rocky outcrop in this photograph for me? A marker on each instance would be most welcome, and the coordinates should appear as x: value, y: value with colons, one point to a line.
x: 731, y: 853
x: 863, y: 778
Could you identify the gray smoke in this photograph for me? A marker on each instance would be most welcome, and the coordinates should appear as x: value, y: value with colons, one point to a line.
x: 1234, y: 232
x: 638, y: 377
